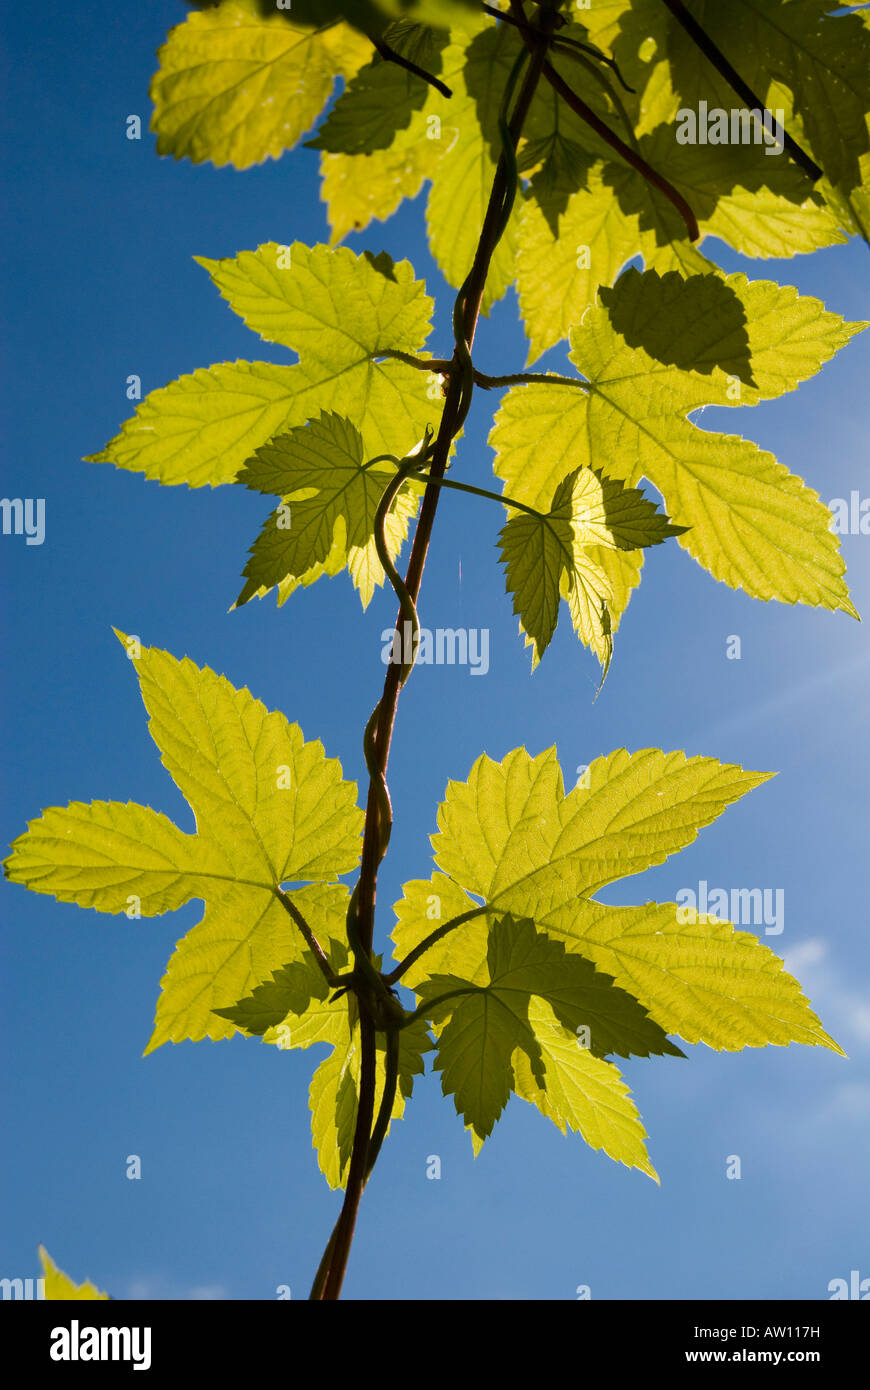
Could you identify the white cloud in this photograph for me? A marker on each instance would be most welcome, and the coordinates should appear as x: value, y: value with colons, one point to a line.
x: 844, y: 1011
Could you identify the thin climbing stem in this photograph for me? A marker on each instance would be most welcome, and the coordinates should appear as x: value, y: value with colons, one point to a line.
x: 428, y: 1005
x: 631, y: 156
x: 388, y: 1099
x: 428, y: 941
x: 490, y: 383
x: 482, y: 492
x: 455, y: 407
x: 311, y: 940
x: 732, y: 77
x: 578, y: 105
x: 391, y: 56
x: 343, y: 1234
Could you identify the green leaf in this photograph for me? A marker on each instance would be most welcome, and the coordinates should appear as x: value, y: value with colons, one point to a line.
x: 425, y: 906
x: 559, y: 270
x: 357, y: 188
x: 235, y: 86
x: 702, y: 981
x: 334, y: 308
x: 334, y: 1095
x: 60, y: 1287
x: 815, y: 67
x: 311, y: 1018
x: 381, y: 99
x: 200, y: 429
x: 269, y: 808
x: 455, y: 142
x: 522, y: 962
x: 289, y: 991
x: 370, y: 15
x: 514, y: 850
x: 582, y: 1092
x: 437, y: 12
x: 510, y: 835
x: 649, y: 360
x: 486, y: 1023
x: 338, y: 310
x: 556, y: 555
x: 587, y: 212
x: 330, y: 497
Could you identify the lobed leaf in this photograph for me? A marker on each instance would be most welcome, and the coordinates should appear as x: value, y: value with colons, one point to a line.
x: 557, y: 554
x: 657, y: 348
x: 340, y: 311
x: 59, y: 1286
x: 237, y: 85
x: 330, y: 494
x: 522, y: 860
x: 269, y: 809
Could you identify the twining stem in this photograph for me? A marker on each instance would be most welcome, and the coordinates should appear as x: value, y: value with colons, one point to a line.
x: 343, y: 1234
x: 391, y: 56
x: 484, y: 492
x: 385, y: 1114
x: 733, y: 78
x: 533, y: 379
x: 423, y: 946
x: 323, y: 1268
x: 631, y: 156
x: 456, y: 403
x: 480, y: 378
x: 313, y: 944
x: 428, y: 1005
x: 561, y: 41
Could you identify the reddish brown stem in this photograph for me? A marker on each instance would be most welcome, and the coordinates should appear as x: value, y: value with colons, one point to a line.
x: 389, y: 700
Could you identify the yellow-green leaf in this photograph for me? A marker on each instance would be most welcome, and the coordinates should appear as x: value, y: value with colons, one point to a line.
x: 236, y: 87
x: 581, y: 1092
x: 554, y: 555
x: 486, y: 1023
x: 511, y: 834
x: 330, y: 496
x: 655, y: 349
x: 60, y: 1287
x: 269, y: 809
x: 338, y: 310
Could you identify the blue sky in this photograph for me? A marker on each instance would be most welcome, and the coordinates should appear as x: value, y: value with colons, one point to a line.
x: 99, y: 283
